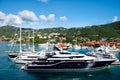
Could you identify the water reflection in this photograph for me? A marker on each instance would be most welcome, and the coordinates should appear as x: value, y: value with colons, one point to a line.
x: 87, y: 75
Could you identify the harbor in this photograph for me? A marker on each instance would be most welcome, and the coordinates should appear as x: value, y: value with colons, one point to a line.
x: 52, y: 57
x: 59, y: 40
x: 10, y: 69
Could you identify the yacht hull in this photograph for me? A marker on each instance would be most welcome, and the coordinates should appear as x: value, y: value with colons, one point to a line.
x: 68, y: 66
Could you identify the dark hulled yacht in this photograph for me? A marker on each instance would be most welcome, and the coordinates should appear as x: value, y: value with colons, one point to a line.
x: 67, y: 61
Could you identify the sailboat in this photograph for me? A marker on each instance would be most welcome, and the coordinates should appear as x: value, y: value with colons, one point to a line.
x: 13, y: 54
x: 23, y: 56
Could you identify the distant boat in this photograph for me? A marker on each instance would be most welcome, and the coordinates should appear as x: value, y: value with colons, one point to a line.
x: 76, y: 47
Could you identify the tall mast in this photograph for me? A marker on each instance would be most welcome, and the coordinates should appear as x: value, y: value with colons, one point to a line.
x: 33, y: 40
x: 20, y: 39
x: 29, y: 41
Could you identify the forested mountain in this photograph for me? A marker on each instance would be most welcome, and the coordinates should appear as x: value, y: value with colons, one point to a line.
x: 110, y: 30
x: 7, y: 31
x: 95, y: 32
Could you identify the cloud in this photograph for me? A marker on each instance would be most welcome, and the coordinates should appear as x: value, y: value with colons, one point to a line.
x: 115, y: 18
x: 12, y: 20
x: 28, y: 16
x: 44, y: 1
x: 43, y: 18
x: 2, y: 16
x: 63, y: 18
x: 51, y: 17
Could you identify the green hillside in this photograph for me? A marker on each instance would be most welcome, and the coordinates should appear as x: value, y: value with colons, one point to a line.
x: 95, y: 32
x: 8, y: 31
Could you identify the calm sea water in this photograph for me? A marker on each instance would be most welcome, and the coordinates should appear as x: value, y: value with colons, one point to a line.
x: 10, y: 71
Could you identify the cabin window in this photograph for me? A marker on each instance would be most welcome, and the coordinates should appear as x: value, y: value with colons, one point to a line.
x: 76, y: 57
x: 71, y: 57
x: 32, y: 56
x: 64, y: 53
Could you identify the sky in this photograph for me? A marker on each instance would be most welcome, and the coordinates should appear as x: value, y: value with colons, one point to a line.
x: 58, y: 13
